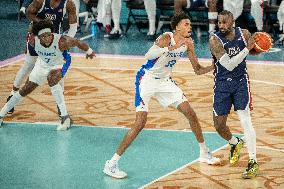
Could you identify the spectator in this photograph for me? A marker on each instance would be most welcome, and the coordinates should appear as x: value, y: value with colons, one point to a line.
x: 24, y: 6
x: 191, y: 4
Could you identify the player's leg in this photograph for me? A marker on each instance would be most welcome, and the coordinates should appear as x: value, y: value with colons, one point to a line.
x: 30, y: 59
x: 212, y: 14
x: 222, y: 104
x: 205, y: 154
x: 150, y: 7
x: 242, y: 99
x: 116, y: 9
x: 53, y: 79
x: 257, y: 13
x: 16, y: 98
x: 111, y: 166
x: 144, y: 91
x: 171, y: 95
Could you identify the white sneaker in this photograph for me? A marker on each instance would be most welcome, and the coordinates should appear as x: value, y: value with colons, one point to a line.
x: 1, y: 121
x: 207, y: 157
x: 66, y: 123
x: 113, y: 170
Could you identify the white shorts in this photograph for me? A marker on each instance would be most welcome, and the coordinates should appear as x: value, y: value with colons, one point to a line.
x: 165, y: 90
x: 40, y: 71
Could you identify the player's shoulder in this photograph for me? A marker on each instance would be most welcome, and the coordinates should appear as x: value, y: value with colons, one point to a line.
x: 163, y: 40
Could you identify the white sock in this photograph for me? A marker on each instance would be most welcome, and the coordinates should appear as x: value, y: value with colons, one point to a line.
x: 116, y: 8
x: 250, y: 136
x: 233, y: 140
x: 26, y: 68
x: 16, y: 98
x: 203, y: 148
x: 57, y: 93
x: 115, y: 158
x: 13, y: 92
x: 61, y: 83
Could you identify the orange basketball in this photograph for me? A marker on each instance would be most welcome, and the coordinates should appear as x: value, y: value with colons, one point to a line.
x: 263, y: 42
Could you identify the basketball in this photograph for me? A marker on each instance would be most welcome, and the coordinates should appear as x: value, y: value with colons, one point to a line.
x: 263, y: 42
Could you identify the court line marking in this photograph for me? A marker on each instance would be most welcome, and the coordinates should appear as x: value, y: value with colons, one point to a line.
x: 268, y: 148
x: 180, y: 168
x: 149, y: 129
x: 53, y: 123
x: 130, y: 69
x: 137, y: 57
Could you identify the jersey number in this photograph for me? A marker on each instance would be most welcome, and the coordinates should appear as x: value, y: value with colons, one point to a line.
x: 47, y: 60
x: 171, y: 63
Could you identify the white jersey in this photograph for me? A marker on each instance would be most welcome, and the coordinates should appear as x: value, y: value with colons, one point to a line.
x: 162, y: 66
x: 52, y: 55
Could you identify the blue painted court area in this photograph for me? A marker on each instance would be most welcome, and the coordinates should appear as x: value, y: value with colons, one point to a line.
x: 37, y: 156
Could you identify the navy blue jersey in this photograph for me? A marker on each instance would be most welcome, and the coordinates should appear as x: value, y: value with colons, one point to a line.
x: 54, y: 14
x: 232, y: 48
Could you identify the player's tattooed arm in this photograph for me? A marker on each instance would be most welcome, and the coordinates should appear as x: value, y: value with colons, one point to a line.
x: 33, y: 9
x: 198, y: 69
x: 66, y: 43
x: 71, y: 11
x: 216, y: 47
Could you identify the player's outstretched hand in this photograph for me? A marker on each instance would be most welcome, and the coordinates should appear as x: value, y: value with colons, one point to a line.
x: 90, y: 55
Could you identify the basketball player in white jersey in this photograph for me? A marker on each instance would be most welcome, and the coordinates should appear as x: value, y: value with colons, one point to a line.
x: 154, y: 79
x: 50, y: 48
x: 38, y: 10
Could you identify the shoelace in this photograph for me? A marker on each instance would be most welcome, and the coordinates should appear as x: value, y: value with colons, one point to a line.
x: 250, y: 165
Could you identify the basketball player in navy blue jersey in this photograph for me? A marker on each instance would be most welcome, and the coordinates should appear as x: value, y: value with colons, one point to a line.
x: 50, y: 48
x: 230, y: 47
x: 38, y: 10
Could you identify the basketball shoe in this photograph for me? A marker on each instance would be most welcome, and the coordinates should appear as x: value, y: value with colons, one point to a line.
x: 113, y: 170
x: 66, y: 123
x: 13, y: 109
x: 207, y: 157
x: 235, y: 151
x: 252, y: 169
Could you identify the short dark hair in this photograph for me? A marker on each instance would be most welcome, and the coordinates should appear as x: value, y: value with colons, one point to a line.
x: 228, y: 13
x: 177, y: 18
x: 37, y: 26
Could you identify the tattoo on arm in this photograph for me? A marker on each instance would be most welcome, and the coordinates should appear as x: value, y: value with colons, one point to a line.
x: 71, y: 11
x: 246, y: 34
x: 163, y: 41
x: 216, y: 47
x: 33, y: 9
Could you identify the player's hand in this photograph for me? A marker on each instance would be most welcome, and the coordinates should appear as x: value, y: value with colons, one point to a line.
x: 90, y: 55
x: 251, y: 42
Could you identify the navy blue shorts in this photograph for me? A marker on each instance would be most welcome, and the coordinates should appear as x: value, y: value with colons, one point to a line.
x: 231, y: 92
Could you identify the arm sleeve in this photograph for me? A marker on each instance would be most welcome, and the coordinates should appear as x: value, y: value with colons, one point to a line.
x: 233, y: 62
x: 72, y: 30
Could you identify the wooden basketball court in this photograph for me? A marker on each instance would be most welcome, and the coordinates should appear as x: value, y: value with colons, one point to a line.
x: 101, y: 92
